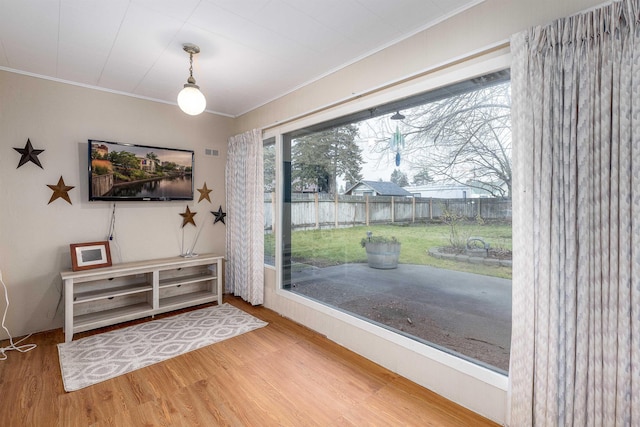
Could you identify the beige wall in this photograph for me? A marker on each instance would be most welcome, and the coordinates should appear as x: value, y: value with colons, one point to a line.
x: 35, y: 236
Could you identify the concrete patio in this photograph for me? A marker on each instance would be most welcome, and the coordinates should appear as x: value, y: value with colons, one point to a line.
x: 465, y: 313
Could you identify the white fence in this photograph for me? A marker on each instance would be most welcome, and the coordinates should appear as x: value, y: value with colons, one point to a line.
x: 315, y: 210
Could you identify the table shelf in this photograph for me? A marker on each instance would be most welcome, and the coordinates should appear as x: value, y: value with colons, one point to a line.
x: 128, y: 291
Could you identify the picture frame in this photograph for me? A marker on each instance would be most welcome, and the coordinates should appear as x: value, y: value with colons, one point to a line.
x: 85, y: 256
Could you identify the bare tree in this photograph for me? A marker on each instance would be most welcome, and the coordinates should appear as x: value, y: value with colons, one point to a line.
x: 465, y: 138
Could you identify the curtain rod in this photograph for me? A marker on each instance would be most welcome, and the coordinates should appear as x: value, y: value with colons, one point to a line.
x: 484, y: 51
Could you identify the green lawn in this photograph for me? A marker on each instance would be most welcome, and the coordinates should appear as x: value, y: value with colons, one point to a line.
x: 342, y: 245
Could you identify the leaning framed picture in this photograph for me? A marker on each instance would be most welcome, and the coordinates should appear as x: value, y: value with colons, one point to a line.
x: 85, y: 256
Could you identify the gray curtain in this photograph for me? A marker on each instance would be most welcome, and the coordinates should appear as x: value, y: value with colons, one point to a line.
x: 575, y: 357
x: 245, y: 217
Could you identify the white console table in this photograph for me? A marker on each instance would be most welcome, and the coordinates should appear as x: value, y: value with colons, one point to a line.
x: 106, y: 296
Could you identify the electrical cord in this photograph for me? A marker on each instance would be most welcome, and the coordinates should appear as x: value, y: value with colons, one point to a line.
x: 12, y: 346
x: 112, y: 225
x: 111, y: 235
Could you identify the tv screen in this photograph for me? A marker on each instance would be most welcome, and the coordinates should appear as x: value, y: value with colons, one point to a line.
x: 120, y: 172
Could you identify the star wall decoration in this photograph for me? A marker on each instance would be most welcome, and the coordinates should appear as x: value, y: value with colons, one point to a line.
x: 219, y: 215
x: 29, y: 154
x: 204, y: 193
x: 187, y: 217
x: 60, y: 190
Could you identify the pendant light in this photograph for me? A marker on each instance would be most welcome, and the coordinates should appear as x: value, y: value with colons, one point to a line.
x: 190, y: 99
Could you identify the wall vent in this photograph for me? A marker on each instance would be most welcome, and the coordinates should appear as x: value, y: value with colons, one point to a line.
x: 211, y: 152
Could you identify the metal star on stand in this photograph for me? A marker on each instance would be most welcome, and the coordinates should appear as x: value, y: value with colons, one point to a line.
x: 29, y: 154
x: 204, y: 193
x: 219, y: 215
x: 60, y: 190
x: 187, y: 217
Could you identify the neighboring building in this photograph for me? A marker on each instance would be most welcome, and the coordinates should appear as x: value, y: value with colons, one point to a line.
x: 100, y: 149
x: 377, y: 188
x: 297, y: 188
x: 447, y: 191
x: 147, y: 165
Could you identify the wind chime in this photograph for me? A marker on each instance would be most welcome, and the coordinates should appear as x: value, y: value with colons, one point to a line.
x: 396, y: 142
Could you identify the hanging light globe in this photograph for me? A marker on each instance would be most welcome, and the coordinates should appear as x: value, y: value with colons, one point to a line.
x: 190, y: 99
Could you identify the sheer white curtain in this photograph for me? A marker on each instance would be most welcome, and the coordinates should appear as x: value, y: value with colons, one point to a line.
x: 575, y: 357
x: 245, y: 217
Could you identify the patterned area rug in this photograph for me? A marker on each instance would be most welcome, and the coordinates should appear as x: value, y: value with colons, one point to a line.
x: 100, y: 357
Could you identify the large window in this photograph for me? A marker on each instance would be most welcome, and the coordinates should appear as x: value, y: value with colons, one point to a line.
x: 432, y: 173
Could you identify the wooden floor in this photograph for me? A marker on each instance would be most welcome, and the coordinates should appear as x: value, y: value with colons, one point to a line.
x: 283, y: 374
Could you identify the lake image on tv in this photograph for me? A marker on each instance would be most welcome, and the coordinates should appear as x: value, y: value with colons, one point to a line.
x: 138, y: 172
x: 165, y: 188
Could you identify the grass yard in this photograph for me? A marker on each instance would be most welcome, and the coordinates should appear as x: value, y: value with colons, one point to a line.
x: 342, y: 245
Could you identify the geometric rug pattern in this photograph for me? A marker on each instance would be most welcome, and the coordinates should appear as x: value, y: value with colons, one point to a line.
x: 100, y: 357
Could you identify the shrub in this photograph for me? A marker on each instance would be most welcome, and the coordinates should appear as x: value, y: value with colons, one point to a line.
x: 100, y: 170
x: 458, y: 233
x: 377, y: 239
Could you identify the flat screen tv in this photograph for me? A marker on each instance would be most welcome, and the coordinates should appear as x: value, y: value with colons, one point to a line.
x: 121, y: 172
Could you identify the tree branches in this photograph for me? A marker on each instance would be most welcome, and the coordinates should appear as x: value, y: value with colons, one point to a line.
x: 465, y: 139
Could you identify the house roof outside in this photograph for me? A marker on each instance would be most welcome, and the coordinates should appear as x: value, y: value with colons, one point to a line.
x: 447, y: 191
x: 382, y: 188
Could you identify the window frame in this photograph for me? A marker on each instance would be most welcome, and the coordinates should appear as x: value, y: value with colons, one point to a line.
x: 469, y: 86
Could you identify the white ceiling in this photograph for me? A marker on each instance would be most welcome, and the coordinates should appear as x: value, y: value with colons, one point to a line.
x: 252, y: 51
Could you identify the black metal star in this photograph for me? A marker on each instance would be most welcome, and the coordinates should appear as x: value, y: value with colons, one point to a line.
x: 219, y: 215
x: 187, y: 217
x: 60, y: 190
x: 29, y: 154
